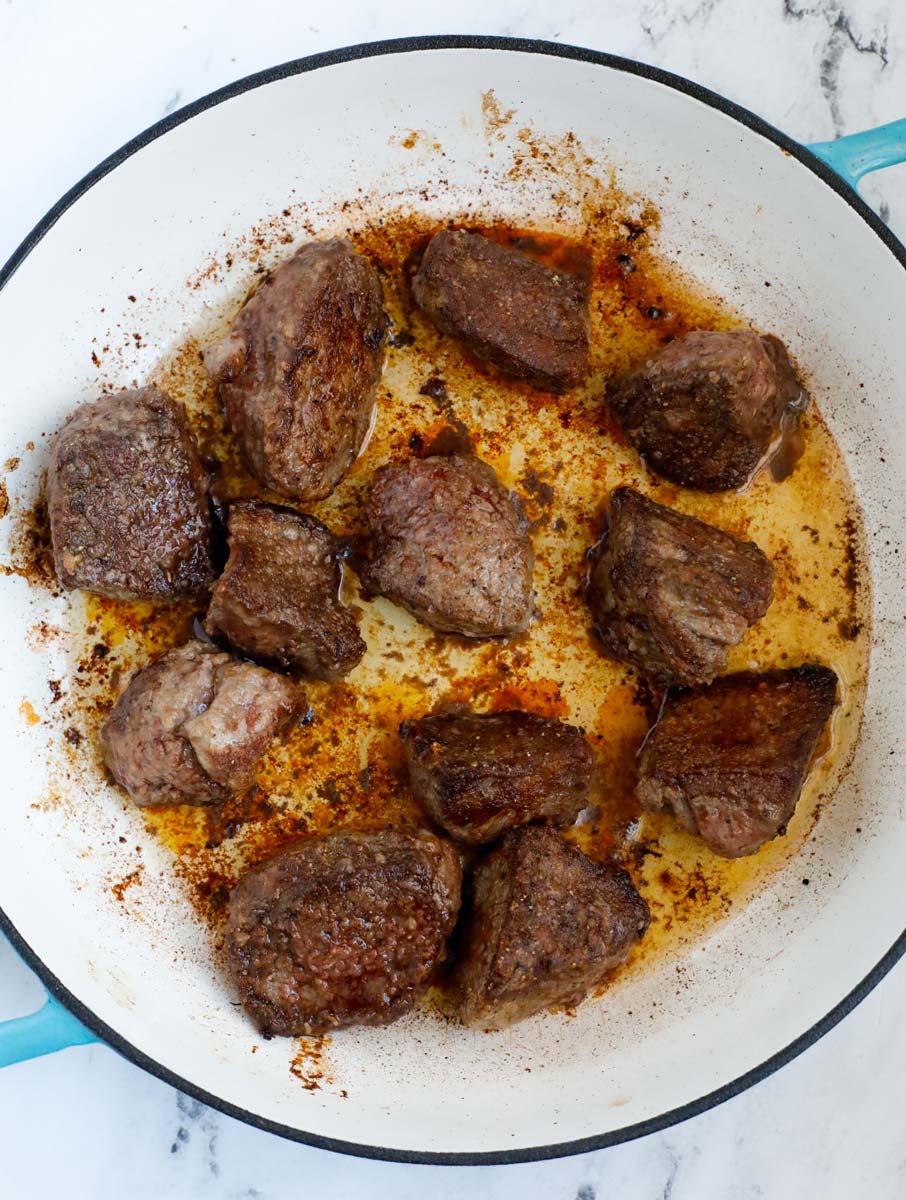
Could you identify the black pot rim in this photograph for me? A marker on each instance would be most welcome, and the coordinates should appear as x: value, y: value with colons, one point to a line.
x: 312, y: 63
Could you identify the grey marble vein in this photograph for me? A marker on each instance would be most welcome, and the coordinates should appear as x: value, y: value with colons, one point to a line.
x: 661, y: 18
x: 840, y: 38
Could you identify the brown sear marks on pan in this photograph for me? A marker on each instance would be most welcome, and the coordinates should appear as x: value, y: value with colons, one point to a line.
x: 308, y: 1062
x: 562, y: 455
x: 120, y: 888
x: 29, y: 553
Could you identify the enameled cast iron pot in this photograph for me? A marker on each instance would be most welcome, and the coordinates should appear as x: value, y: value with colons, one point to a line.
x: 742, y: 203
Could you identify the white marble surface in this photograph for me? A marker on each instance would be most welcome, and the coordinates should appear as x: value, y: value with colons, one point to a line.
x: 76, y: 82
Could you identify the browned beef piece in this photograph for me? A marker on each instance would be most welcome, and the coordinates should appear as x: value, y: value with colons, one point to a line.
x: 546, y: 926
x: 191, y: 727
x: 478, y: 774
x: 671, y: 594
x: 704, y: 410
x: 450, y: 544
x: 278, y: 597
x: 299, y: 369
x: 343, y: 929
x: 730, y: 760
x: 527, y: 319
x: 127, y: 498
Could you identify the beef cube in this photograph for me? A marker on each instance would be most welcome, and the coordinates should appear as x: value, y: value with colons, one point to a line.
x: 127, y: 499
x: 730, y: 760
x: 528, y: 320
x: 343, y: 929
x: 705, y: 409
x: 299, y: 369
x: 278, y: 597
x: 450, y: 544
x: 547, y: 926
x: 478, y: 774
x: 191, y: 727
x: 671, y: 594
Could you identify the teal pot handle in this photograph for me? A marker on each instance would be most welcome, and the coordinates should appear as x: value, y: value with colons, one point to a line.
x: 51, y: 1028
x: 858, y: 153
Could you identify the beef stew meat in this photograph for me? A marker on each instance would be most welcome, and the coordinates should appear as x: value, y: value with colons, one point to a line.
x: 278, y: 597
x: 547, y: 925
x: 671, y: 594
x: 478, y: 774
x: 127, y: 499
x: 527, y: 319
x: 191, y: 727
x: 730, y: 760
x: 705, y: 409
x: 342, y: 929
x: 450, y: 544
x: 298, y: 370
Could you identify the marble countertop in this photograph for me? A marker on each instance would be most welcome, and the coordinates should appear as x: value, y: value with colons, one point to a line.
x: 75, y: 83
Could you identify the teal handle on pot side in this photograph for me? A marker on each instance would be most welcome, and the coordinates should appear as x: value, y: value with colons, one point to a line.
x: 51, y: 1028
x: 858, y: 153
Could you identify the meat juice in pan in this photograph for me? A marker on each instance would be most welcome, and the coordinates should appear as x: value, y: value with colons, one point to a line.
x: 562, y: 455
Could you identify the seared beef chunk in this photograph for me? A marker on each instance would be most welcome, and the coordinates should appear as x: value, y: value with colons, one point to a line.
x: 705, y: 409
x: 671, y: 594
x: 299, y: 369
x: 343, y: 929
x: 478, y: 774
x: 278, y: 597
x: 525, y: 318
x: 450, y: 544
x: 127, y: 500
x: 730, y: 759
x: 190, y: 728
x: 547, y: 925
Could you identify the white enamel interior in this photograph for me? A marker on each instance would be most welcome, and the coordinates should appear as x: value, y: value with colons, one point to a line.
x: 736, y: 210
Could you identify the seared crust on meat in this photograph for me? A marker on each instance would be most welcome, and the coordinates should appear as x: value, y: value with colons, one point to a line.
x: 450, y: 544
x: 477, y: 774
x: 343, y: 929
x: 705, y: 409
x: 547, y: 924
x: 127, y: 499
x: 671, y: 594
x: 299, y: 368
x: 191, y: 727
x: 527, y: 319
x: 730, y: 760
x: 278, y: 599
